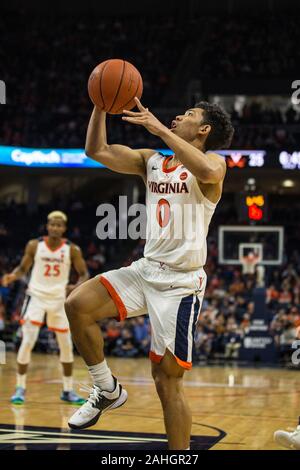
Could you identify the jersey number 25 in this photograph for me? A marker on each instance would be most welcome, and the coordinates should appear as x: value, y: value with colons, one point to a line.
x: 52, y: 270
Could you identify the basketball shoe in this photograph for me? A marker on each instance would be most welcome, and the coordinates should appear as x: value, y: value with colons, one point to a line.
x: 287, y: 439
x: 72, y: 398
x: 19, y: 396
x: 99, y: 402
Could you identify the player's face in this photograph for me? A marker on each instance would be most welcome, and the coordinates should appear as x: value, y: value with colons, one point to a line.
x: 189, y: 125
x: 56, y: 227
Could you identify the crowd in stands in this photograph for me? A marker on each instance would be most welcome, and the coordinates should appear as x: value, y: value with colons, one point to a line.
x: 250, y: 47
x: 46, y: 64
x: 263, y: 126
x: 227, y: 308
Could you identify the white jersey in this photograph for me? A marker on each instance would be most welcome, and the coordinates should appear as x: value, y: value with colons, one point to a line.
x: 178, y: 216
x: 51, y: 270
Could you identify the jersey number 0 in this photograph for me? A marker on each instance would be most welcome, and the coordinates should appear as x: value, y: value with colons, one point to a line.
x: 163, y: 212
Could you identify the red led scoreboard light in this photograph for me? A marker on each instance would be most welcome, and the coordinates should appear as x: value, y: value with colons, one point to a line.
x: 255, y: 206
x: 252, y: 207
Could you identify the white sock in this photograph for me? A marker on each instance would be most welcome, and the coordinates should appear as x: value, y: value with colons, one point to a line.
x: 21, y: 380
x: 67, y: 383
x: 102, y: 376
x: 187, y: 448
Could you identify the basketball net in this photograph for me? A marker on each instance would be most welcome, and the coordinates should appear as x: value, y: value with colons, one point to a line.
x: 249, y: 263
x: 250, y: 266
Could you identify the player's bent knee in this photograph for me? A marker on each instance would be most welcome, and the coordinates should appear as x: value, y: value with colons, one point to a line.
x: 73, y: 306
x: 170, y: 366
x: 90, y: 300
x: 168, y: 378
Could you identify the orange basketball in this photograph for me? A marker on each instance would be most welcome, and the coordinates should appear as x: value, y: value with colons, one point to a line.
x: 113, y: 84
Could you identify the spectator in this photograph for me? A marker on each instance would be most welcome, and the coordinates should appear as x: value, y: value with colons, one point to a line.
x: 125, y: 344
x: 112, y: 331
x: 287, y: 337
x: 232, y: 341
x: 141, y: 335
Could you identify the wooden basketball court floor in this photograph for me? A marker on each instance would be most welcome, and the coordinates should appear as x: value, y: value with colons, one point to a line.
x: 233, y: 408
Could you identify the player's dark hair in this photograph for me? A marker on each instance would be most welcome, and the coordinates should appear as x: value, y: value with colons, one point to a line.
x: 222, y: 130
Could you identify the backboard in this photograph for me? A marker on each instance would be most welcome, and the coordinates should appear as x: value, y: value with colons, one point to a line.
x: 236, y: 241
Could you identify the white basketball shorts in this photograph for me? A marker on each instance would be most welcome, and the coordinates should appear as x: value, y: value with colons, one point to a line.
x: 35, y: 309
x: 172, y: 298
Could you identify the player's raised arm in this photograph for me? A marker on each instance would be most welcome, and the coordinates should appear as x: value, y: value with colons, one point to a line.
x: 118, y: 158
x: 24, y: 266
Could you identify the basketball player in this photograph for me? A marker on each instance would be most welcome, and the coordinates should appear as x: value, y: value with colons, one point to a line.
x: 51, y: 258
x: 289, y: 439
x: 169, y: 282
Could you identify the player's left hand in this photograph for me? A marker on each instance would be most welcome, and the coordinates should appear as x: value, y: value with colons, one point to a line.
x: 144, y: 118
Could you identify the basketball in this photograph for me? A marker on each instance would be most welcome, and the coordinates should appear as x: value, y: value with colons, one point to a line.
x: 113, y: 84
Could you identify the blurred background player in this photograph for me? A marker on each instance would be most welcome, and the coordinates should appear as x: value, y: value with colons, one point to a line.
x: 51, y: 258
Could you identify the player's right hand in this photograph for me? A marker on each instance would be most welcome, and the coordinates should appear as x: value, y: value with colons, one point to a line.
x: 8, y: 278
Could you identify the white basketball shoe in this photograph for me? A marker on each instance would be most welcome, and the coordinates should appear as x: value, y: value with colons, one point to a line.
x: 98, y: 403
x: 291, y: 440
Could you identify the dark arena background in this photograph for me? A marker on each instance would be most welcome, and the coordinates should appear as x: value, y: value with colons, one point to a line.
x: 245, y: 56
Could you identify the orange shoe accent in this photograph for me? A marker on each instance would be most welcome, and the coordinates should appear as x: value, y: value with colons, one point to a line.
x: 157, y: 359
x: 58, y: 330
x: 116, y: 298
